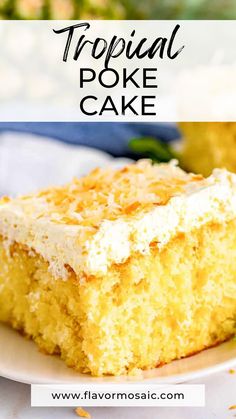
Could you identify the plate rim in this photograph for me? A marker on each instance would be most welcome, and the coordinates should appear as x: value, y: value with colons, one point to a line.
x: 31, y: 378
x: 175, y: 379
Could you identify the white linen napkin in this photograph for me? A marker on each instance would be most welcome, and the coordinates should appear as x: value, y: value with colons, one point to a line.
x: 29, y: 162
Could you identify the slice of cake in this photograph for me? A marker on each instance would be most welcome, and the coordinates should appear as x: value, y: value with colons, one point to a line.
x: 207, y: 145
x: 122, y: 269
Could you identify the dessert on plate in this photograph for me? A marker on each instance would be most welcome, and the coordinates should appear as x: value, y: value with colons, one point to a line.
x: 122, y: 269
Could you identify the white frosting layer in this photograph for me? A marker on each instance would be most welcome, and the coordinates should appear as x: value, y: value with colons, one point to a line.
x: 210, y: 200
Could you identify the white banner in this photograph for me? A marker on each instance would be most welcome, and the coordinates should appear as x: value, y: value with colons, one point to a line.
x: 117, y: 71
x: 118, y: 395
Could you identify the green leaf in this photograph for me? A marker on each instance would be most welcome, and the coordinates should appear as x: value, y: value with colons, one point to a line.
x: 152, y: 148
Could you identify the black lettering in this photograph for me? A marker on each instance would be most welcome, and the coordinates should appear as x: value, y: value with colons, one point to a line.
x: 104, y: 71
x: 169, y: 49
x: 80, y: 46
x: 70, y: 30
x: 112, y: 47
x: 128, y: 105
x: 129, y: 77
x: 147, y: 77
x: 95, y: 45
x: 105, y: 107
x: 82, y: 105
x: 82, y: 76
x: 145, y: 105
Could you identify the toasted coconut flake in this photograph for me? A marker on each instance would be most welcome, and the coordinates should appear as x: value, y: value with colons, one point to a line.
x: 82, y: 413
x: 4, y: 199
x: 111, y: 193
x: 108, y: 194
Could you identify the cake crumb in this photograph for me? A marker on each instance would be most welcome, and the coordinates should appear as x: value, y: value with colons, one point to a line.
x: 232, y: 371
x: 82, y: 413
x: 232, y: 407
x: 135, y: 372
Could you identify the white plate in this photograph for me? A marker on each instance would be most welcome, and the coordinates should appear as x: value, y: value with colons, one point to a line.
x: 21, y: 361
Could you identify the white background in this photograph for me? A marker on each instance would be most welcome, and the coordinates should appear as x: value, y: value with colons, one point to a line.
x: 220, y: 395
x: 198, y: 85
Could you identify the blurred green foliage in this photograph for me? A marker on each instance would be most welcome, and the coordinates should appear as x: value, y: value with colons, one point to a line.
x: 118, y: 9
x: 182, y: 9
x: 152, y: 148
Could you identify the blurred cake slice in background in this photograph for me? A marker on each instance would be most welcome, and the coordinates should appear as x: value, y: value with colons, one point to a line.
x: 207, y: 145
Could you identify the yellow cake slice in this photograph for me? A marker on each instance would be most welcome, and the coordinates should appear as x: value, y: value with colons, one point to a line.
x: 122, y: 269
x: 207, y: 145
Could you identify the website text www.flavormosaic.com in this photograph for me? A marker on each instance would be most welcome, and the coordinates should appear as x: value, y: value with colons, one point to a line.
x: 90, y: 395
x: 118, y: 395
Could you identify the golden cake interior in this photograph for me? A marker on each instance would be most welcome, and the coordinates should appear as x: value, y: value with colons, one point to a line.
x: 145, y: 312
